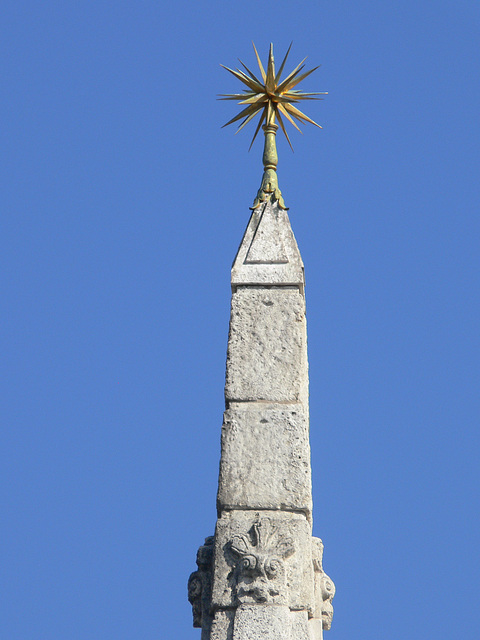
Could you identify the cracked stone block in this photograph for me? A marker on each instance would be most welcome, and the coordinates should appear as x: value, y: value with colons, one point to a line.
x: 265, y: 461
x: 267, y: 346
x: 222, y: 625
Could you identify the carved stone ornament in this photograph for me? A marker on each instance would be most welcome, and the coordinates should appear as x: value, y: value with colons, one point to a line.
x: 324, y: 586
x: 200, y: 585
x: 259, y: 572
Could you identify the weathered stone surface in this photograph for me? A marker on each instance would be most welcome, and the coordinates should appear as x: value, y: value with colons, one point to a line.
x: 265, y: 461
x: 265, y: 622
x: 267, y: 347
x: 268, y: 254
x: 222, y: 625
x: 300, y: 628
x: 263, y: 557
x: 255, y: 622
x: 315, y: 629
x: 267, y: 246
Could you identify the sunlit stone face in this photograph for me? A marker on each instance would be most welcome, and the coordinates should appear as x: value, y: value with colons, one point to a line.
x: 327, y: 589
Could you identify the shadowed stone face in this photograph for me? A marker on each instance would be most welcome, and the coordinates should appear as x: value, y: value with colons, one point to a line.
x: 194, y: 597
x: 200, y: 584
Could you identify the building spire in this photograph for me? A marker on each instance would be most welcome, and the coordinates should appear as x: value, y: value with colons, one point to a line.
x: 273, y: 99
x: 261, y: 574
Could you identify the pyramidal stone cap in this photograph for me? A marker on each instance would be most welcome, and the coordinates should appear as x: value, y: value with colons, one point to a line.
x: 268, y: 253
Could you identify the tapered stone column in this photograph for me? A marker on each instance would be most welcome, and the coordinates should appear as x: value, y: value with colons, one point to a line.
x: 260, y: 577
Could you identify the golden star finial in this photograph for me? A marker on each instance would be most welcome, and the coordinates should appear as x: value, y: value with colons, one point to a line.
x: 271, y: 97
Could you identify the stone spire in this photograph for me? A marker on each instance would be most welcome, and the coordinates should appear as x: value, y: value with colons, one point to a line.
x: 261, y: 574
x: 260, y: 577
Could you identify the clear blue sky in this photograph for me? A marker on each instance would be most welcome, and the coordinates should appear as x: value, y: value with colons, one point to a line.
x: 123, y: 203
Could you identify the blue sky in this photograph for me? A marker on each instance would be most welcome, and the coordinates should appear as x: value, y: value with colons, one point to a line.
x: 123, y: 203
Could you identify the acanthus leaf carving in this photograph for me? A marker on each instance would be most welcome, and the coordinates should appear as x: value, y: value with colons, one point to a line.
x: 259, y: 575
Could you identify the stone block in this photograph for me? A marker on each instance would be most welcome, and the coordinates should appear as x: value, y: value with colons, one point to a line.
x: 267, y: 347
x: 265, y: 461
x: 263, y: 557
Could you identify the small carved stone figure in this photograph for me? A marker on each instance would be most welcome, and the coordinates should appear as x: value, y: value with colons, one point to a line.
x: 324, y: 586
x: 195, y: 597
x: 200, y: 584
x: 260, y: 573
